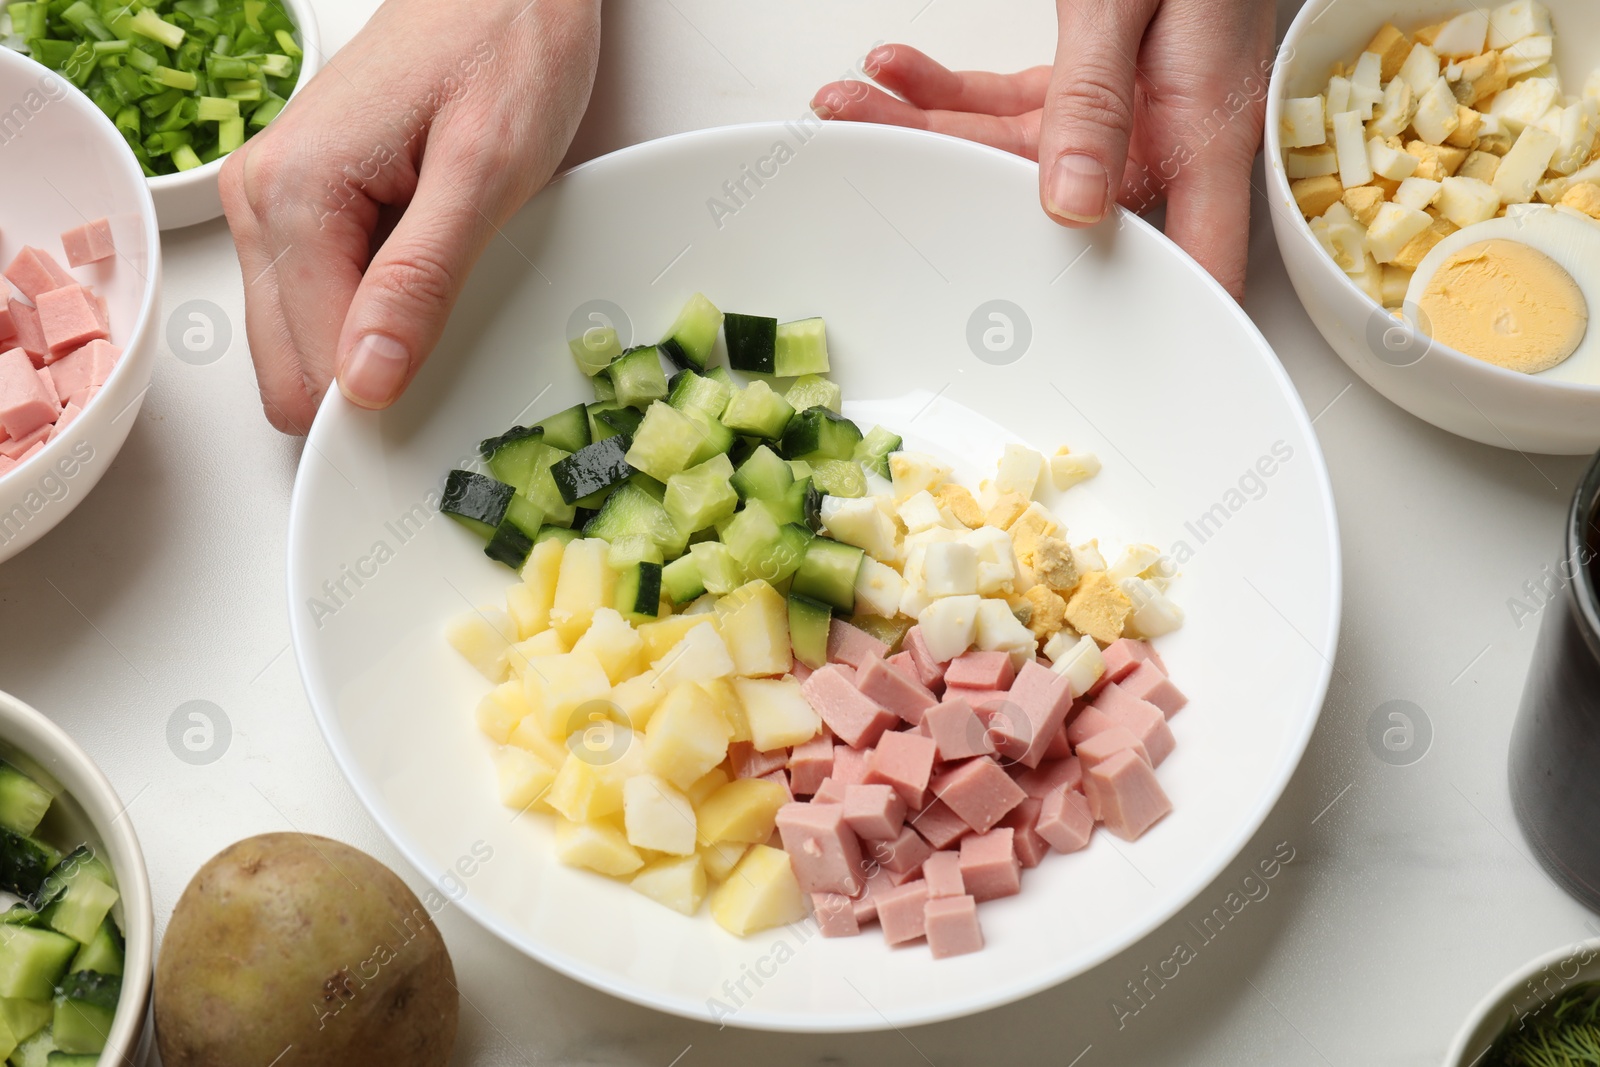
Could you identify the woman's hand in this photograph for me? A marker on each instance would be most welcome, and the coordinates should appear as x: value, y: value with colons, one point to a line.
x: 1147, y: 98
x: 360, y: 210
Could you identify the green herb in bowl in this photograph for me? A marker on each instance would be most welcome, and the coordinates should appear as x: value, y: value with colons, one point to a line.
x: 186, y: 81
x: 1563, y: 1033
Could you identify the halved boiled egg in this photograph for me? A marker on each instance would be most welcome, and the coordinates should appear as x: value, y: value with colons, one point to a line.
x: 1517, y: 292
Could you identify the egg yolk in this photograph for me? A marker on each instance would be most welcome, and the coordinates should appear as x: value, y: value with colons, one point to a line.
x: 1507, y: 304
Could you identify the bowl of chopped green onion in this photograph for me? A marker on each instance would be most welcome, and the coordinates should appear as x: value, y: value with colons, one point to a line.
x: 1544, y: 1014
x: 184, y: 81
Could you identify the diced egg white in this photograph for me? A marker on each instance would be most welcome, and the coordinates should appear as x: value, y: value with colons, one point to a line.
x: 919, y: 512
x: 1337, y: 97
x: 1465, y: 201
x: 1366, y: 87
x: 862, y: 522
x: 1133, y: 562
x: 913, y: 472
x: 1420, y: 70
x: 878, y: 588
x: 1510, y: 23
x: 949, y: 625
x: 1087, y: 557
x: 1080, y: 662
x: 1394, y: 226
x: 999, y: 630
x: 1523, y: 167
x: 1018, y: 471
x: 1463, y: 35
x: 1522, y: 103
x: 1304, y: 125
x: 1153, y: 613
x: 1436, y: 118
x: 1394, y: 112
x: 1067, y: 469
x: 950, y: 569
x: 1529, y: 54
x: 1349, y: 141
x: 1417, y: 193
x: 1390, y: 162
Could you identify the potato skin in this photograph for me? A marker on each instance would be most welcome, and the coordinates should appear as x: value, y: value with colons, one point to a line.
x: 304, y: 952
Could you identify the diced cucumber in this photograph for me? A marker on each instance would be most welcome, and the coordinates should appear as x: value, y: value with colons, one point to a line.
x: 752, y: 342
x: 32, y: 961
x: 889, y: 631
x: 104, y: 953
x: 565, y: 534
x: 702, y: 495
x: 693, y: 334
x: 801, y: 504
x: 872, y: 452
x: 36, y: 1051
x: 638, y: 376
x: 749, y: 532
x: 542, y: 489
x: 21, y: 915
x: 681, y: 579
x: 604, y: 391
x: 623, y: 552
x: 719, y: 571
x: 638, y: 594
x: 690, y: 391
x: 828, y: 573
x: 510, y: 544
x: 595, y: 348
x: 763, y: 476
x: 802, y: 348
x: 665, y: 442
x: 811, y: 391
x: 715, y: 438
x: 757, y: 411
x: 721, y: 376
x: 512, y: 456
x: 607, y: 418
x: 86, y: 1005
x: 592, y: 469
x: 650, y: 485
x: 809, y: 621
x: 816, y: 434
x: 840, y: 477
x: 632, y: 510
x: 567, y: 430
x: 23, y: 802
x: 475, y: 501
x: 800, y: 467
x: 779, y: 559
x: 24, y: 1018
x: 82, y: 907
x: 72, y: 1059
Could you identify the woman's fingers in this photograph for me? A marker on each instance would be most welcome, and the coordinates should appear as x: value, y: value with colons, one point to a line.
x: 930, y: 85
x: 859, y: 102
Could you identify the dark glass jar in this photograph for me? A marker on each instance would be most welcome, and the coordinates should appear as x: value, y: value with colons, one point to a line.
x: 1555, y: 745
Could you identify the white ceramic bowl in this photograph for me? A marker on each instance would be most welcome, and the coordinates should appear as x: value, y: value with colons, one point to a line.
x: 1453, y: 391
x: 903, y: 240
x: 67, y: 165
x: 88, y: 809
x: 191, y: 197
x: 1520, y: 993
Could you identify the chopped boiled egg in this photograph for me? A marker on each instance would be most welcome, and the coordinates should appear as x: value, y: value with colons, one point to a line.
x: 1513, y: 22
x: 878, y: 588
x: 914, y: 472
x: 1018, y: 470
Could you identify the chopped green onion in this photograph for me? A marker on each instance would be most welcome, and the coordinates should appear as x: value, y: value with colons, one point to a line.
x: 267, y: 111
x: 151, y: 25
x: 184, y: 158
x: 286, y: 42
x: 176, y: 79
x: 230, y: 133
x: 243, y: 90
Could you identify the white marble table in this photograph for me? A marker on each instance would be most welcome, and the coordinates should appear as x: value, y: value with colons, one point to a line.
x: 1410, y: 891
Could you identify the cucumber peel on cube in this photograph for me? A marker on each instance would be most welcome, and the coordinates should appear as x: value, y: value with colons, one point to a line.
x: 752, y: 342
x: 693, y: 334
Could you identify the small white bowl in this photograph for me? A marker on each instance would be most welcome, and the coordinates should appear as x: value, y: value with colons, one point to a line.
x: 1455, y: 392
x: 191, y: 197
x: 65, y: 166
x: 1521, y: 992
x: 90, y: 810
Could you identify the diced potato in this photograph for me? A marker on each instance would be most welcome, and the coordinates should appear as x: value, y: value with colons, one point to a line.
x: 706, y: 784
x: 1466, y: 201
x: 484, y: 636
x: 755, y: 625
x: 580, y: 793
x: 1523, y: 167
x: 687, y: 736
x: 719, y: 858
x: 760, y: 893
x: 679, y: 883
x: 1349, y: 141
x: 501, y: 709
x: 1310, y: 162
x: 1304, y: 124
x: 543, y: 643
x: 1389, y: 162
x: 778, y: 713
x: 866, y: 522
x: 529, y: 734
x: 1393, y: 113
x: 1436, y: 119
x: 1392, y: 47
x: 523, y: 778
x: 584, y: 584
x: 1364, y: 201
x: 660, y: 636
x: 744, y: 810
x: 1462, y: 36
x: 636, y: 698
x: 720, y: 692
x: 599, y: 846
x: 540, y: 574
x: 1421, y: 69
x: 1510, y: 23
x: 699, y: 656
x: 559, y: 686
x: 878, y: 588
x: 658, y: 816
x: 616, y: 644
x: 522, y: 604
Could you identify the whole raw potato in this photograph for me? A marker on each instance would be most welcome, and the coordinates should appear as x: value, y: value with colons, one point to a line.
x: 298, y: 951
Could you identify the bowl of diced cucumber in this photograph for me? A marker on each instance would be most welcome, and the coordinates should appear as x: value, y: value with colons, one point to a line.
x: 185, y: 81
x: 75, y: 913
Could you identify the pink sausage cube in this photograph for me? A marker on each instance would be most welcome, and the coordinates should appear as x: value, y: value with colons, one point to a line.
x: 979, y: 792
x: 6, y: 463
x: 903, y: 855
x: 829, y: 792
x: 853, y: 645
x: 897, y: 692
x: 749, y: 762
x: 68, y: 413
x: 836, y: 915
x: 1107, y: 743
x: 1090, y: 721
x: 799, y: 671
x: 89, y: 243
x: 37, y: 446
x: 978, y: 698
x: 25, y: 403
x: 1124, y: 795
x: 866, y: 905
x: 1059, y: 747
x: 17, y: 448
x: 849, y: 765
x: 29, y: 334
x: 903, y: 760
x: 1045, y: 698
x: 852, y: 716
x: 1126, y: 653
x: 981, y: 670
x: 1148, y: 683
x: 810, y: 763
x: 951, y: 925
x: 8, y: 330
x: 900, y: 911
x: 1065, y: 820
x: 1140, y: 718
x: 781, y: 777
x: 87, y: 366
x: 902, y: 662
x: 938, y: 825
x: 824, y: 853
x: 48, y: 382
x: 69, y: 319
x: 930, y: 672
x: 956, y: 730
x: 989, y: 866
x: 942, y: 872
x: 874, y: 812
x: 35, y: 271
x: 1025, y: 839
x: 1052, y: 776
